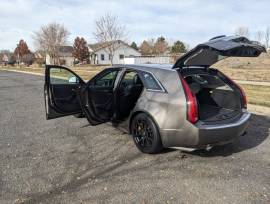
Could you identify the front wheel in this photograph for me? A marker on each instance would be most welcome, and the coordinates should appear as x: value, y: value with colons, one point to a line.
x: 145, y: 134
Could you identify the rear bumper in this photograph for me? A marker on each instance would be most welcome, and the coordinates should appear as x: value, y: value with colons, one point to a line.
x: 220, y: 134
x: 202, y: 135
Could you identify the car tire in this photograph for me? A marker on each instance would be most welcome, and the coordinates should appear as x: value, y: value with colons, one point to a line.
x: 145, y: 134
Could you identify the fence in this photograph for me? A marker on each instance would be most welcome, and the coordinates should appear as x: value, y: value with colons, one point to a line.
x: 168, y: 59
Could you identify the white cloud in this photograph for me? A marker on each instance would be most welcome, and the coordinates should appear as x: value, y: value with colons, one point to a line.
x: 192, y: 21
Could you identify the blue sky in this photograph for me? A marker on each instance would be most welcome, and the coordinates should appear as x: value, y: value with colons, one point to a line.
x: 192, y: 21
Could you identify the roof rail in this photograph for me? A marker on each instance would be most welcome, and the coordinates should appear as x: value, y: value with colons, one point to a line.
x: 219, y: 36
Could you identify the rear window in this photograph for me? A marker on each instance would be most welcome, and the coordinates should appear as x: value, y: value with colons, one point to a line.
x: 150, y: 82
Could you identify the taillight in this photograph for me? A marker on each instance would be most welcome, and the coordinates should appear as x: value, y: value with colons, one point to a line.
x: 244, y: 97
x: 242, y: 92
x: 192, y: 108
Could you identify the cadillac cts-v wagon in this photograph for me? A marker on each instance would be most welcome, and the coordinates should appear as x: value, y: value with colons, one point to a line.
x: 188, y: 104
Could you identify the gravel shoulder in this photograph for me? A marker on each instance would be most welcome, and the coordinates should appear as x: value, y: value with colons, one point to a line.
x: 66, y: 161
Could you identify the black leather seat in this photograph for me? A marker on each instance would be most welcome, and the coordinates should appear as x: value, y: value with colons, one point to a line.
x: 128, y: 95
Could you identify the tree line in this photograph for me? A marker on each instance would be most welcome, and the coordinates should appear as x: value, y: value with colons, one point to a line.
x: 160, y: 46
x: 49, y: 38
x: 261, y: 36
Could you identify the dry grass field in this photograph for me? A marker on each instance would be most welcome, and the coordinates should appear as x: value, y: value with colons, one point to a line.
x: 85, y: 72
x: 258, y: 95
x: 248, y: 69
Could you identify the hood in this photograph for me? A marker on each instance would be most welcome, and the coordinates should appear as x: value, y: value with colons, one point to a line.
x: 218, y: 48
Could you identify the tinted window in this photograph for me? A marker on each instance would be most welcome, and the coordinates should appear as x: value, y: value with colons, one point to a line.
x: 107, y: 80
x: 130, y: 79
x: 150, y: 81
x: 62, y: 76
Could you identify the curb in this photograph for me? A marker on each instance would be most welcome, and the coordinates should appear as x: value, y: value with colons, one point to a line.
x: 24, y: 72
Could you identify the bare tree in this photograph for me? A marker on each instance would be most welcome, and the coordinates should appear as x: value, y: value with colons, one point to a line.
x: 109, y: 32
x: 243, y: 31
x: 49, y: 39
x: 187, y: 46
x: 160, y: 46
x: 259, y: 36
x: 146, y: 48
x: 266, y: 36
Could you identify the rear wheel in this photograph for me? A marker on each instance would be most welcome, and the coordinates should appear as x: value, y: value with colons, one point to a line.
x: 145, y: 134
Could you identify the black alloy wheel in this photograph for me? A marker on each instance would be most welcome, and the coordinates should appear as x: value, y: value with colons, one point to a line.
x: 145, y: 134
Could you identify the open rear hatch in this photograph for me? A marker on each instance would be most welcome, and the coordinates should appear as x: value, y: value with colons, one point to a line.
x: 218, y: 48
x: 218, y: 98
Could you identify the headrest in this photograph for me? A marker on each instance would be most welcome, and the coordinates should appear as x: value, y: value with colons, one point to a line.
x: 137, y: 80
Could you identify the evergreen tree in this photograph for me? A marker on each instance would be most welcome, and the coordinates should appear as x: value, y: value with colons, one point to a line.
x: 178, y: 47
x: 134, y: 45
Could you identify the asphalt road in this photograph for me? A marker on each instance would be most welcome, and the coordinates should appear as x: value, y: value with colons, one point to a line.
x: 66, y: 161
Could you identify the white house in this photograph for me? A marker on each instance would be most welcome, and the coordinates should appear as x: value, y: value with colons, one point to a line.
x: 64, y: 55
x: 100, y: 53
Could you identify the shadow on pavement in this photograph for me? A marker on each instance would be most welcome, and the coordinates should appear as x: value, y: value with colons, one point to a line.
x: 89, y: 168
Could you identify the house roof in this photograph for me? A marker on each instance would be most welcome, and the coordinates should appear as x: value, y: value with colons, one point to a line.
x: 5, y: 56
x: 65, y: 51
x: 98, y: 46
x: 5, y: 52
x: 39, y: 54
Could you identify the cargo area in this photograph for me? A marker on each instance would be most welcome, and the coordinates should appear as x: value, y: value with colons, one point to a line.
x: 217, y: 100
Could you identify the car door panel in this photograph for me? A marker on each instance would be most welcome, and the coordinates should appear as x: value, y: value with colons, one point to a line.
x: 65, y: 98
x: 66, y: 95
x: 102, y: 100
x: 61, y: 92
x: 98, y: 96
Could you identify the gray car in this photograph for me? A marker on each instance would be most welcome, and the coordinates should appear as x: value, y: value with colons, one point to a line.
x: 187, y: 104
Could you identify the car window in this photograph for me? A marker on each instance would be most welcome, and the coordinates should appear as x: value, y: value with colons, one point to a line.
x: 151, y: 82
x: 106, y: 80
x: 128, y: 79
x: 62, y: 76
